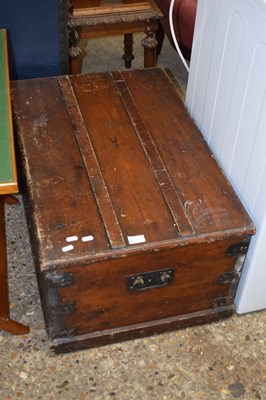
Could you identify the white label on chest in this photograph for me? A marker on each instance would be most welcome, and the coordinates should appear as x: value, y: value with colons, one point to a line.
x: 88, y: 238
x: 67, y: 248
x: 71, y: 238
x: 136, y: 239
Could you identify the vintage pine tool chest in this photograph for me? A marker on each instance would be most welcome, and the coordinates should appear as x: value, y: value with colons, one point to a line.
x: 135, y: 228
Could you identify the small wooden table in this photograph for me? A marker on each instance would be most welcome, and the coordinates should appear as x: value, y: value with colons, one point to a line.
x: 115, y: 19
x: 8, y: 186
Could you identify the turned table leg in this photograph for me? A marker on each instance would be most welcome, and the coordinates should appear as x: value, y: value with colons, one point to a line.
x: 149, y: 43
x: 128, y: 46
x: 74, y: 52
x: 6, y: 323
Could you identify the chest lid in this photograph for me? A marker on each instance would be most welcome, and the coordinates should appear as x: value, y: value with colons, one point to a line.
x: 114, y: 163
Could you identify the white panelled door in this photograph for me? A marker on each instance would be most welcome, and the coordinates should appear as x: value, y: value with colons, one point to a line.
x: 226, y: 97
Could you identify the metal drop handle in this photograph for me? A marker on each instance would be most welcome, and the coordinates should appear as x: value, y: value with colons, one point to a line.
x: 148, y: 280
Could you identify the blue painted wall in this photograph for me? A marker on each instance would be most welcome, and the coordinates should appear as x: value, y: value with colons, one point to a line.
x: 33, y: 32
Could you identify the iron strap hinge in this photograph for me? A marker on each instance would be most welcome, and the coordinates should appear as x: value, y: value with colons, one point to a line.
x: 237, y: 249
x: 222, y: 301
x: 228, y: 277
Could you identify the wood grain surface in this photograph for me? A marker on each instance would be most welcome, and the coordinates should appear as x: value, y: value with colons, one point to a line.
x: 120, y: 184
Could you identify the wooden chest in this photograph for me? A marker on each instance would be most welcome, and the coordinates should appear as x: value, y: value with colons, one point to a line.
x: 135, y: 229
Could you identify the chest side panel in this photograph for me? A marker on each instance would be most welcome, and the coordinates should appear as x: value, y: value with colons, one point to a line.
x: 100, y: 296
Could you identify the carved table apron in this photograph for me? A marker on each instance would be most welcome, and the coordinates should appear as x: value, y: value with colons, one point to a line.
x: 115, y: 19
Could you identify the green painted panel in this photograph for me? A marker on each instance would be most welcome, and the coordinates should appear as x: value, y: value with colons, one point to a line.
x: 6, y: 170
